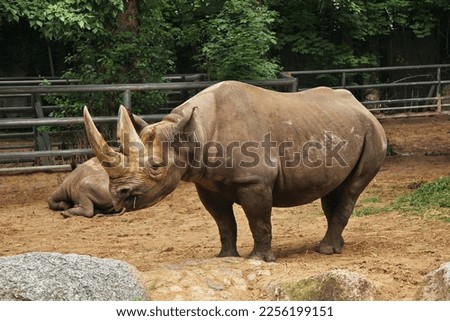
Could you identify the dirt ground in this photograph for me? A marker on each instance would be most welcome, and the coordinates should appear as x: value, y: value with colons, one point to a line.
x: 392, y: 249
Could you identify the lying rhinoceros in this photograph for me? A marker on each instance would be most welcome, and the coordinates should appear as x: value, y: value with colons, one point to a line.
x: 255, y: 147
x: 85, y: 191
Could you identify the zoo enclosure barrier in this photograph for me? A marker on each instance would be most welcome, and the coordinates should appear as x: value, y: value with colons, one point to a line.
x: 372, y: 86
x: 46, y: 154
x: 423, y: 88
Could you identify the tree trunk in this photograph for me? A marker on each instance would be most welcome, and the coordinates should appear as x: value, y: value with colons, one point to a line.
x: 128, y: 19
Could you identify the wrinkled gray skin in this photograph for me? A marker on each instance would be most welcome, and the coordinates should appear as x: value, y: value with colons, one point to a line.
x: 232, y: 113
x: 85, y: 191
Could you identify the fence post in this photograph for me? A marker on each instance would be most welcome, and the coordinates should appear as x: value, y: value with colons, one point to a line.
x: 127, y: 98
x: 343, y: 79
x: 42, y: 138
x: 438, y: 90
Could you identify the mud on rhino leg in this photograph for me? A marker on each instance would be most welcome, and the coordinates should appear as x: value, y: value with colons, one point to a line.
x: 221, y: 210
x: 256, y: 202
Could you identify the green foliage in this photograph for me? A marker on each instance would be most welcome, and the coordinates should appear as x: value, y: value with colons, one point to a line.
x: 239, y: 39
x: 126, y: 55
x: 432, y: 197
x: 62, y: 19
x: 419, y: 16
x: 348, y: 33
x: 328, y: 33
x: 116, y: 41
x: 106, y: 49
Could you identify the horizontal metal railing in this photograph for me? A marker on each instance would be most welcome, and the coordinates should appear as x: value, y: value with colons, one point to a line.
x: 17, y: 157
x: 434, y: 102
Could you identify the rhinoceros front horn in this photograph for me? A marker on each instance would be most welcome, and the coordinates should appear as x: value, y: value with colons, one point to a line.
x: 107, y: 156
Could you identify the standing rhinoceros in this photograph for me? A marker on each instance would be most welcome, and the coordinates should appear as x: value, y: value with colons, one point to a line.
x: 254, y: 147
x: 85, y: 191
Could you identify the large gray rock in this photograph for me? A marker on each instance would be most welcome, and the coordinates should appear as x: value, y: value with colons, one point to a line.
x: 335, y: 285
x: 67, y: 277
x: 437, y: 285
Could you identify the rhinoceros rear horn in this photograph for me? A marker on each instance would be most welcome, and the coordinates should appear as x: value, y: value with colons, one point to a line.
x: 126, y: 132
x: 105, y: 154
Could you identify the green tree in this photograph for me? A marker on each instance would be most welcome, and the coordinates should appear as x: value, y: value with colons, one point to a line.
x: 135, y: 49
x: 421, y: 17
x: 327, y: 33
x: 113, y: 41
x: 62, y: 19
x: 238, y: 42
x: 349, y: 33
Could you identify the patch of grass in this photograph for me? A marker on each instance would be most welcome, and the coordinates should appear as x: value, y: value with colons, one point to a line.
x: 428, y: 200
x: 368, y: 210
x: 372, y: 199
x: 369, y: 205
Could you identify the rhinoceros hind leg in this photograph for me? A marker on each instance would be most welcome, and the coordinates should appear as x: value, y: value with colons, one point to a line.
x: 338, y: 204
x: 58, y: 205
x: 84, y: 208
x: 221, y: 210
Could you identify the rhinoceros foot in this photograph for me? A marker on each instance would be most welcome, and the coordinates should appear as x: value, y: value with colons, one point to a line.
x: 228, y: 252
x: 66, y: 214
x: 328, y: 248
x: 267, y: 256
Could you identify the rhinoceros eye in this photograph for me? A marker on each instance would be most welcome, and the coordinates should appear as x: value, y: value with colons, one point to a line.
x: 124, y: 192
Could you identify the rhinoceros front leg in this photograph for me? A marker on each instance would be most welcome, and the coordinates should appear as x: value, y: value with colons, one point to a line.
x: 256, y: 200
x: 221, y: 210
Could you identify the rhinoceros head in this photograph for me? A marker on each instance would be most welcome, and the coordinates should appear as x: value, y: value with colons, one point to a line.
x: 139, y: 175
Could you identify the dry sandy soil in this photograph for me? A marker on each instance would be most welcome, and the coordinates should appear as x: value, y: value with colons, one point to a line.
x: 393, y: 249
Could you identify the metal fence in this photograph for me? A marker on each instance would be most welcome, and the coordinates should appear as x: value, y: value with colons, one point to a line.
x: 417, y: 90
x: 47, y: 156
x: 389, y: 91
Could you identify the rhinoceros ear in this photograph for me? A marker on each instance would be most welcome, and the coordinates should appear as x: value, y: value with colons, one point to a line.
x: 182, y: 125
x: 105, y: 154
x: 139, y: 123
x: 191, y: 124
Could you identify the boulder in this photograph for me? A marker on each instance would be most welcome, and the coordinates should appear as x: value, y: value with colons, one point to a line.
x: 437, y: 285
x: 335, y: 285
x: 67, y: 277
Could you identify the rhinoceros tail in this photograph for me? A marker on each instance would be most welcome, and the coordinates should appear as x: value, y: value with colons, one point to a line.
x: 73, y: 164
